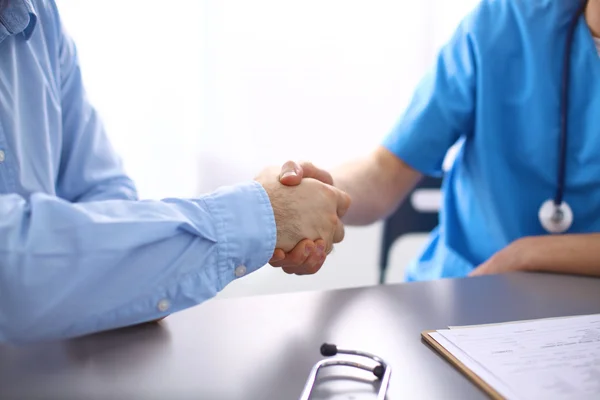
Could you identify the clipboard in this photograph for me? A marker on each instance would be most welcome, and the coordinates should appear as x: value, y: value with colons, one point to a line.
x: 473, y: 377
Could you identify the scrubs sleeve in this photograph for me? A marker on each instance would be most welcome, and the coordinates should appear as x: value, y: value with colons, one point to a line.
x: 442, y: 108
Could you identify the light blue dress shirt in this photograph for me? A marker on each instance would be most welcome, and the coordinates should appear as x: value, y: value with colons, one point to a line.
x: 79, y: 252
x: 495, y: 89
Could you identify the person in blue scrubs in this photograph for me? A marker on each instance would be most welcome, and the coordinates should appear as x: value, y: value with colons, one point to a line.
x: 79, y: 253
x: 496, y: 91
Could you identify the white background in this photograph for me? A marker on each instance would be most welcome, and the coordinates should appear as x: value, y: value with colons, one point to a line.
x: 199, y: 94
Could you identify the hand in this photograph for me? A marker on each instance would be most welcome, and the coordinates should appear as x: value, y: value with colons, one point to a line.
x: 311, y: 210
x: 514, y: 257
x: 308, y: 256
x: 292, y: 173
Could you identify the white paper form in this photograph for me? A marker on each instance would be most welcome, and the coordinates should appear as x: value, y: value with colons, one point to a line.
x: 539, y: 359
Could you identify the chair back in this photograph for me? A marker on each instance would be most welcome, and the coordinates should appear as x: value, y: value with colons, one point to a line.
x: 417, y: 214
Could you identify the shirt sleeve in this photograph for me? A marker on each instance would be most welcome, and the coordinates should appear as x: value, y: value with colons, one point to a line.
x: 68, y: 269
x: 89, y: 168
x: 442, y: 107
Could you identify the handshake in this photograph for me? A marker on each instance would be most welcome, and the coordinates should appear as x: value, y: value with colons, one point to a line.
x: 308, y: 211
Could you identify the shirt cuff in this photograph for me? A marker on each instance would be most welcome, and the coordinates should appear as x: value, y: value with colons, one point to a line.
x: 245, y: 228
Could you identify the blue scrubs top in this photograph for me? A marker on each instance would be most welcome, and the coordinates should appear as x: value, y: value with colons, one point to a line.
x: 495, y: 89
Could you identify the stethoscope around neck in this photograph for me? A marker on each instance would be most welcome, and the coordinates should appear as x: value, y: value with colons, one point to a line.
x: 555, y: 215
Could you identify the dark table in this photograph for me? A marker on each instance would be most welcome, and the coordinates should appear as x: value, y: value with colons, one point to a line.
x: 264, y: 347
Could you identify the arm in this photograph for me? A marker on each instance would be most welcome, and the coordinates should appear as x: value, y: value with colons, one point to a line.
x: 440, y: 112
x: 569, y: 254
x: 90, y: 170
x: 70, y: 269
x: 377, y: 184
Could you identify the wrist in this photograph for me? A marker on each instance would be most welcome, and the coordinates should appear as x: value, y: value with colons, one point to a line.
x: 245, y: 231
x: 282, y: 214
x: 529, y: 253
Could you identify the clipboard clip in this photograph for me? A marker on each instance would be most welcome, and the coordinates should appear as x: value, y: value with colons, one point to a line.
x: 382, y: 370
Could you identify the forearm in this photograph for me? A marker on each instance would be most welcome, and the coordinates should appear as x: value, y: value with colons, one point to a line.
x: 571, y: 254
x: 71, y: 269
x: 377, y: 184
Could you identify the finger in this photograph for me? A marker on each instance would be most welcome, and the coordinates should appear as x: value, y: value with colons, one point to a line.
x: 322, y: 253
x: 315, y: 260
x: 329, y: 244
x: 339, y: 233
x: 481, y: 270
x: 308, y: 170
x: 302, y: 270
x: 312, y: 268
x: 316, y: 267
x: 278, y: 255
x: 290, y: 270
x: 291, y: 174
x: 295, y: 270
x: 343, y: 202
x: 298, y: 255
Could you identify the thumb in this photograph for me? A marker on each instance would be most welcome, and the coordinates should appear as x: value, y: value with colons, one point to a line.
x: 343, y: 203
x: 309, y: 170
x: 291, y: 174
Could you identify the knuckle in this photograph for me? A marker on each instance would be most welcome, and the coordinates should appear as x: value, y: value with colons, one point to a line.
x: 347, y: 199
x: 306, y: 164
x: 314, y: 266
x: 288, y: 164
x: 295, y: 258
x: 329, y: 192
x: 333, y: 220
x: 313, y: 261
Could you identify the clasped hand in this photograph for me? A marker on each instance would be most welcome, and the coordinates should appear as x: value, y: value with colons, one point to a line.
x: 308, y: 211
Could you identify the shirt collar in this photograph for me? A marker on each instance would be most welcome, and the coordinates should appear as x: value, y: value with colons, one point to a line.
x: 18, y: 17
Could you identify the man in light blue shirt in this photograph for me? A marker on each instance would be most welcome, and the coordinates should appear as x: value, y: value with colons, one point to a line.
x: 79, y: 253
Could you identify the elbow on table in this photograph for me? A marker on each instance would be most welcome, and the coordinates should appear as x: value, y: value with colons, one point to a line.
x: 26, y: 316
x: 21, y: 329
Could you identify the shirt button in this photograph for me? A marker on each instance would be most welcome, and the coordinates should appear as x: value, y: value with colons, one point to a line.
x: 240, y: 271
x: 2, y: 156
x: 163, y: 305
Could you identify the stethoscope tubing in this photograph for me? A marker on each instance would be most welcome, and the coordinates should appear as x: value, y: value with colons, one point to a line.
x: 564, y: 108
x: 382, y: 371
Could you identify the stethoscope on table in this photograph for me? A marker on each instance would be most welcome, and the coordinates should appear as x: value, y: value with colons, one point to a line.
x: 555, y: 214
x: 382, y: 370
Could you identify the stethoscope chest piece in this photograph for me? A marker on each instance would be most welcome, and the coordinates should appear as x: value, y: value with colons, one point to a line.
x: 555, y: 218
